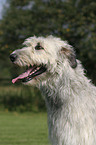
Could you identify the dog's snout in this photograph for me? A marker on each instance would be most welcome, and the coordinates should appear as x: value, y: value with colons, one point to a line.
x: 13, y: 57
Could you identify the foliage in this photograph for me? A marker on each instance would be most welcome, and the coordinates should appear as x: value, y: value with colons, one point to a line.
x: 73, y: 20
x: 21, y: 99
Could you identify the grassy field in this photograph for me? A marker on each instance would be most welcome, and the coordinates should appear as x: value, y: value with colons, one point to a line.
x: 23, y: 128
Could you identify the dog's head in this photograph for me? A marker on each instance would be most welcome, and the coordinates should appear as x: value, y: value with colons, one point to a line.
x: 43, y: 57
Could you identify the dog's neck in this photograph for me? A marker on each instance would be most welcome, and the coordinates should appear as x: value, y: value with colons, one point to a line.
x: 64, y: 84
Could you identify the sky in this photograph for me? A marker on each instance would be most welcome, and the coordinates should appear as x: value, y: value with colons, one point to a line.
x: 2, y: 2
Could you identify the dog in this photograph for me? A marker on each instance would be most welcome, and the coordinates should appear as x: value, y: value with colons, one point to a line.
x: 69, y: 95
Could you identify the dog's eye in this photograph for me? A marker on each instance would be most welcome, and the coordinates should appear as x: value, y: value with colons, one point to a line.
x: 38, y: 46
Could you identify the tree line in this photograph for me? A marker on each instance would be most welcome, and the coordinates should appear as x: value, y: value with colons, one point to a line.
x: 72, y: 20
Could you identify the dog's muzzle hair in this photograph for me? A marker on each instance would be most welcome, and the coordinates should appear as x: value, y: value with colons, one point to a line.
x: 70, y: 97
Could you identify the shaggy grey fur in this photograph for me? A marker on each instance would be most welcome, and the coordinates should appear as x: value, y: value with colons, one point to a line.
x: 70, y: 96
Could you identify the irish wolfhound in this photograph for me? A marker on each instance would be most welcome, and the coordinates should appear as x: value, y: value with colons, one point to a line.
x: 70, y: 96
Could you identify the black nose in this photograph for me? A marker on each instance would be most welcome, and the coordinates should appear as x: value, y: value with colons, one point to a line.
x: 13, y: 57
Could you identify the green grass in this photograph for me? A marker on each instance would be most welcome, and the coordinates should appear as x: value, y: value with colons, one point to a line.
x: 23, y: 129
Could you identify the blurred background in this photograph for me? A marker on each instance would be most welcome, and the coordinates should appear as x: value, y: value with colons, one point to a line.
x: 71, y: 20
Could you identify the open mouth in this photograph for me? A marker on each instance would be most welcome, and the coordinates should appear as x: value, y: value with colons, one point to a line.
x: 30, y: 73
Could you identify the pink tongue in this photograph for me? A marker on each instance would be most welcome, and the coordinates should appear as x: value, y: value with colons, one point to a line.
x: 23, y: 75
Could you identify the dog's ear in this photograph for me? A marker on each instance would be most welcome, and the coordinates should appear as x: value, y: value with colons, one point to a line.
x: 72, y: 61
x: 70, y: 56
